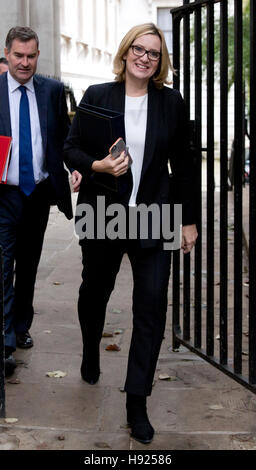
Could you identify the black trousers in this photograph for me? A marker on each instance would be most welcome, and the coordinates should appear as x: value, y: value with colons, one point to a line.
x: 151, y: 271
x: 23, y: 221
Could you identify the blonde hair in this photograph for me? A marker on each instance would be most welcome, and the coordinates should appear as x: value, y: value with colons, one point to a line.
x: 165, y: 65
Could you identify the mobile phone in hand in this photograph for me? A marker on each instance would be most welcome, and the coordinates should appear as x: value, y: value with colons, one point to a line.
x: 117, y: 148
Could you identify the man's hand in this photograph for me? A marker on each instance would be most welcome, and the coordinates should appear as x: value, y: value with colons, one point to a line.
x: 189, y: 236
x: 114, y: 166
x: 76, y: 179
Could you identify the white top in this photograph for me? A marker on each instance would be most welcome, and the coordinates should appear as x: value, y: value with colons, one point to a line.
x: 136, y: 110
x: 37, y: 145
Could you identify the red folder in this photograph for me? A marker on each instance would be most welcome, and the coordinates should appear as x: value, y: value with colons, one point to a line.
x: 5, y: 152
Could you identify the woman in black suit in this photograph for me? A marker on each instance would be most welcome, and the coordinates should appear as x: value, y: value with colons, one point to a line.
x: 156, y: 133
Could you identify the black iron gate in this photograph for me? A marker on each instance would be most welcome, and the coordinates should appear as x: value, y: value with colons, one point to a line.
x: 219, y: 279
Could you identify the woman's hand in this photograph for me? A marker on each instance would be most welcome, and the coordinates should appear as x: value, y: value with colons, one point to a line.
x: 114, y: 166
x: 76, y: 179
x: 189, y: 236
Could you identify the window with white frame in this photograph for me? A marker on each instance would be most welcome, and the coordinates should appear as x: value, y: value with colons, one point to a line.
x: 164, y: 21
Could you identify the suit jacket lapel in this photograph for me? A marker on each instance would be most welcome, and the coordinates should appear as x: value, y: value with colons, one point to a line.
x: 151, y: 131
x: 39, y: 85
x: 118, y: 97
x: 5, y: 120
x: 117, y: 100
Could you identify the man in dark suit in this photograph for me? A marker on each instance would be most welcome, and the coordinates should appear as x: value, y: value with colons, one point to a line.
x: 33, y: 112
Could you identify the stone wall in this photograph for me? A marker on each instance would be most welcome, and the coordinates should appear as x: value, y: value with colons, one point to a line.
x: 41, y: 16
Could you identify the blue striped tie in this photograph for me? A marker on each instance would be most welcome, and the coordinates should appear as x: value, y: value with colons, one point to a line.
x: 26, y: 174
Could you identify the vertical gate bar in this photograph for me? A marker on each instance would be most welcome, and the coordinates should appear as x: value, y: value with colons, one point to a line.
x: 223, y: 182
x: 186, y: 297
x: 238, y: 170
x: 186, y: 55
x: 252, y: 235
x: 176, y: 50
x: 176, y: 254
x: 176, y: 299
x: 198, y: 145
x: 186, y: 258
x: 210, y: 180
x: 2, y: 389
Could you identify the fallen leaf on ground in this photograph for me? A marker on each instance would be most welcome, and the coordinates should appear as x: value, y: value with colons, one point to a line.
x: 58, y: 283
x: 118, y: 331
x: 11, y: 420
x: 164, y: 377
x: 106, y: 334
x: 57, y: 374
x: 116, y: 310
x: 61, y: 437
x: 216, y: 407
x: 167, y: 377
x: 113, y: 347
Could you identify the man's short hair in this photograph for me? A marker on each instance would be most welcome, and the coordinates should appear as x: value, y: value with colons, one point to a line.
x: 22, y: 33
x: 3, y: 60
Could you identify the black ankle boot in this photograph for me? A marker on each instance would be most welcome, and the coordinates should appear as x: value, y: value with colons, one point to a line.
x: 90, y: 368
x: 137, y: 418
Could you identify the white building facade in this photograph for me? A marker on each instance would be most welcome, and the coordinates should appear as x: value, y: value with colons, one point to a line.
x: 79, y: 38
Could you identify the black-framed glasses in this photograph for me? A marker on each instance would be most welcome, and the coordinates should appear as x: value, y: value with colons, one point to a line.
x: 141, y: 51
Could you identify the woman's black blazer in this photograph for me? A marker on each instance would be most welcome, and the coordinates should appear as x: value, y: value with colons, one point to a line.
x: 167, y: 140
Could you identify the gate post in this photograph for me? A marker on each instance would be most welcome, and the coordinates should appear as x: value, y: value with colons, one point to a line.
x: 252, y: 242
x: 176, y: 254
x: 2, y: 389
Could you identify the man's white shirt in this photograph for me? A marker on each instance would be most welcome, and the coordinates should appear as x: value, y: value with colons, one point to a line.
x: 40, y: 172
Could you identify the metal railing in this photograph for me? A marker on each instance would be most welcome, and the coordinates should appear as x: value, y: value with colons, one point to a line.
x: 223, y: 327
